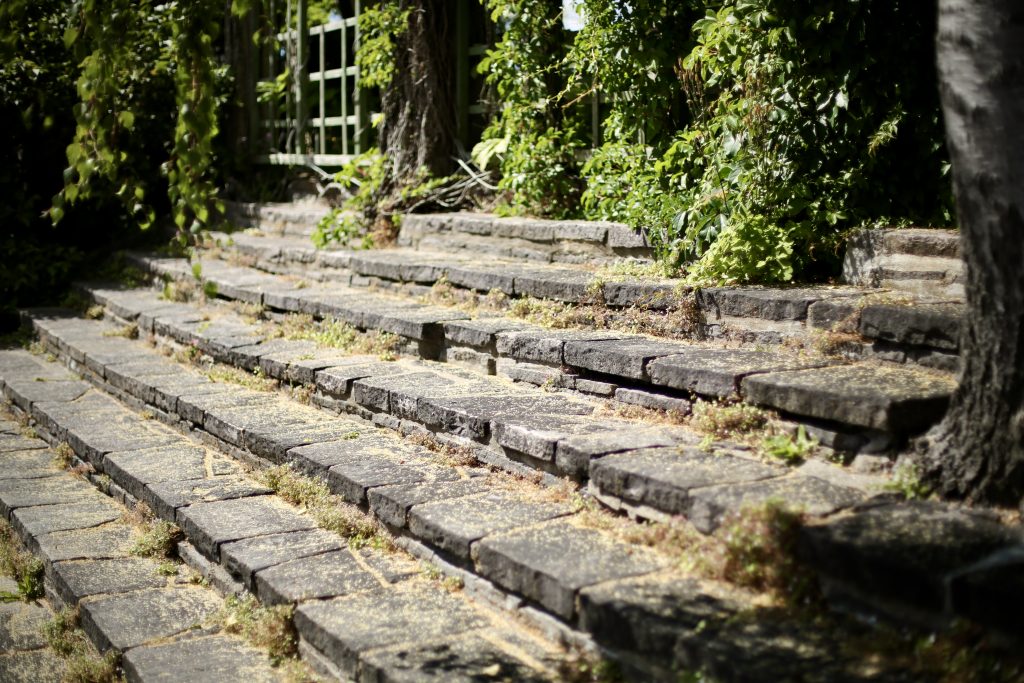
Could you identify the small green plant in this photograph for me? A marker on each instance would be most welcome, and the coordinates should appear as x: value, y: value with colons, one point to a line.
x: 95, y: 312
x: 789, y: 448
x: 91, y: 668
x: 906, y: 481
x: 167, y: 568
x: 63, y: 635
x: 25, y: 568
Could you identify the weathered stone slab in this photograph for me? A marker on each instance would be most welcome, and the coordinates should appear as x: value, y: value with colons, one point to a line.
x: 273, y: 441
x: 337, y: 380
x: 664, y: 478
x: 717, y: 372
x: 128, y: 432
x: 208, y: 525
x: 123, y: 621
x: 195, y: 405
x: 132, y: 470
x: 481, y: 332
x: 895, y: 399
x: 21, y: 624
x: 545, y: 346
x: 453, y: 660
x: 81, y: 578
x: 246, y: 557
x: 24, y: 393
x: 326, y: 575
x: 475, y: 417
x: 198, y: 660
x: 654, y: 400
x: 618, y: 357
x: 352, y: 477
x: 167, y: 389
x: 10, y: 443
x: 648, y: 615
x: 344, y: 628
x: 935, y: 325
x: 651, y: 295
x: 904, y: 551
x: 45, y: 519
x: 29, y: 464
x: 454, y: 525
x: 109, y: 541
x: 391, y: 504
x: 166, y: 497
x: 19, y: 493
x: 812, y: 495
x: 538, y: 432
x: 549, y: 564
x: 32, y: 666
x: 560, y: 284
x: 574, y: 453
x: 767, y: 303
x: 482, y: 278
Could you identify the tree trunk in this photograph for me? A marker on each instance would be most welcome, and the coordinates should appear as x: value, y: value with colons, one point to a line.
x: 977, y: 452
x: 418, y: 129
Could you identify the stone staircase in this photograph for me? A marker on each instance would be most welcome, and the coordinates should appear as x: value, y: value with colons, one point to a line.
x: 488, y: 455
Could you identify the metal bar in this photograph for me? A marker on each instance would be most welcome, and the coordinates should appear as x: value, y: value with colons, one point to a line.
x: 299, y: 159
x: 362, y: 105
x: 333, y: 121
x: 301, y: 75
x: 323, y: 133
x: 344, y: 85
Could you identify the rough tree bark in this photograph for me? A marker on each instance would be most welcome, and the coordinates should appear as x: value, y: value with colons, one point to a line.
x: 977, y: 452
x: 418, y: 129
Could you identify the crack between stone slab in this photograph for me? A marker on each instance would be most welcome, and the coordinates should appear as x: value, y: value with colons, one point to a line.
x: 515, y: 652
x: 370, y: 570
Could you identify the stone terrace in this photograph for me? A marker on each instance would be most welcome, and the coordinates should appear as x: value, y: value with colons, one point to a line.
x: 499, y: 453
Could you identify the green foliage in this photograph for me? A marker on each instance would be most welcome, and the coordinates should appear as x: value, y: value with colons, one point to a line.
x: 907, y: 482
x: 538, y: 136
x: 746, y: 137
x: 789, y: 448
x: 350, y: 225
x: 380, y: 24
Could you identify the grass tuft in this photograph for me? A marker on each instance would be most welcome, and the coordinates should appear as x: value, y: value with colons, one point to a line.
x: 24, y: 567
x: 268, y: 628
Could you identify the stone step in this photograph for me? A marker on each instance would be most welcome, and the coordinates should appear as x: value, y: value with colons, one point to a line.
x: 918, y: 261
x: 251, y: 541
x: 752, y: 315
x: 654, y: 372
x: 160, y: 625
x: 541, y: 552
x: 520, y: 239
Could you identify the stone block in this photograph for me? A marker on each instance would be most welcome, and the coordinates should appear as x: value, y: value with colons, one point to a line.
x: 619, y: 357
x: 198, y: 660
x: 935, y: 325
x: 894, y: 399
x: 20, y: 493
x: 344, y: 628
x: 665, y: 479
x: 121, y: 622
x: 326, y: 575
x: 391, y: 504
x: 28, y: 464
x: 464, y: 659
x: 208, y: 525
x: 166, y: 497
x: 79, y: 579
x: 45, y: 519
x: 549, y: 564
x: 717, y: 372
x: 105, y: 542
x: 454, y: 525
x: 246, y: 557
x: 574, y: 453
x: 654, y: 401
x: 811, y: 495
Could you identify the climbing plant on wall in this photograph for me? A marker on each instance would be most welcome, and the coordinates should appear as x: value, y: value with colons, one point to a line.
x: 745, y: 136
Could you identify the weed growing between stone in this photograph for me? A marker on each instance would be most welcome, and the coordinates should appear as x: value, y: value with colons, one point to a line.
x: 255, y: 380
x: 158, y: 538
x: 68, y: 641
x: 628, y: 411
x: 24, y: 567
x: 447, y: 453
x: 268, y: 628
x: 335, y: 334
x: 581, y: 667
x: 330, y: 511
x: 64, y: 455
x: 723, y: 420
x: 790, y: 448
x: 906, y: 481
x: 129, y: 331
